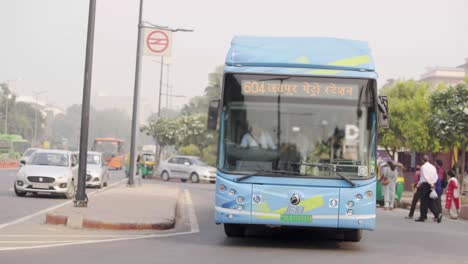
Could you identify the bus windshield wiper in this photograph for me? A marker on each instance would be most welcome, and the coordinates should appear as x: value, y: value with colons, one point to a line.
x: 269, y: 173
x: 331, y: 167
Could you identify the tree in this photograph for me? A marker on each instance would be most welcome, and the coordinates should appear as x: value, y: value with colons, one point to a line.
x: 449, y: 119
x: 163, y: 131
x: 199, y: 104
x: 408, y: 103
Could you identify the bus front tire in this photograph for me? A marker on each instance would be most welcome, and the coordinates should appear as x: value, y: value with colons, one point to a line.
x: 353, y: 235
x: 234, y: 230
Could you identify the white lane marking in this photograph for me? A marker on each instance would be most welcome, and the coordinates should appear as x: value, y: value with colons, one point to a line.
x: 84, y: 236
x: 191, y: 213
x: 46, y: 210
x: 35, y: 241
x: 98, y: 241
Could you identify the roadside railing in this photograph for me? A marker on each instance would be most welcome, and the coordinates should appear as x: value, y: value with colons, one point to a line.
x: 9, y: 164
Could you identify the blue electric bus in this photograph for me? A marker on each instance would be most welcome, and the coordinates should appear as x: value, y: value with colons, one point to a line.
x: 297, y: 126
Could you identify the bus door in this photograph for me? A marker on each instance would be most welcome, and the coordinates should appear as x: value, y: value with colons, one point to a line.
x: 295, y: 205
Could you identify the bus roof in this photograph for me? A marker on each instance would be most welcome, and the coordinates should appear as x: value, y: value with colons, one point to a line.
x: 325, y: 55
x: 109, y: 139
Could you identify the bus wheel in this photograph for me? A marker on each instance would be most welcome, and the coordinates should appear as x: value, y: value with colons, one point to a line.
x: 234, y: 230
x: 194, y: 178
x: 353, y: 235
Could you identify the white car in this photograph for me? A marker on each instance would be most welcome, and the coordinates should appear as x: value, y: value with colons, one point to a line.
x: 97, y: 174
x: 48, y: 172
x: 187, y: 168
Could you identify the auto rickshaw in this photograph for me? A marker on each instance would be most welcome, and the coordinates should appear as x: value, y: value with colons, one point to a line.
x: 400, y: 183
x: 147, y: 164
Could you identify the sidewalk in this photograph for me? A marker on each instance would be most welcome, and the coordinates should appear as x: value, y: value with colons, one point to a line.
x: 148, y: 206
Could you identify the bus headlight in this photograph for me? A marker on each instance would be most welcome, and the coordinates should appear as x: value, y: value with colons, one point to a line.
x: 350, y: 204
x: 349, y: 212
x: 240, y: 199
x: 232, y: 192
x: 222, y: 188
x: 240, y: 207
x: 369, y: 194
x: 359, y: 197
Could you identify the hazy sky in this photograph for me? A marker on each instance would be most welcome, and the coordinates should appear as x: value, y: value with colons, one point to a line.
x: 43, y: 41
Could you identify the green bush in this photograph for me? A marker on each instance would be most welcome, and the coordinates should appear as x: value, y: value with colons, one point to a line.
x: 209, y: 155
x: 190, y: 150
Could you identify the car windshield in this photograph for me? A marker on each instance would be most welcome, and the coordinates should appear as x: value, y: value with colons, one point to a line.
x: 29, y: 152
x: 94, y: 159
x: 148, y: 157
x: 198, y: 162
x: 49, y: 159
x: 314, y: 126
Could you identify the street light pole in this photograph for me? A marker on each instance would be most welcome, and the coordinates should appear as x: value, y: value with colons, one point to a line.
x: 136, y: 90
x: 81, y: 199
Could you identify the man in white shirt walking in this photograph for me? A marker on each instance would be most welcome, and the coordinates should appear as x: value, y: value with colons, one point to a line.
x: 427, y: 182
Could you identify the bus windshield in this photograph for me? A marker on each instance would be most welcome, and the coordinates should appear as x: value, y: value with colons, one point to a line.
x: 107, y: 147
x: 311, y: 127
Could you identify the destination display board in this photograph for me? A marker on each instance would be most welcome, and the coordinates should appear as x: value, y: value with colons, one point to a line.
x: 300, y: 89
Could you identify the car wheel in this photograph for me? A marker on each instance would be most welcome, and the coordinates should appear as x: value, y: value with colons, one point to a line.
x: 234, y: 230
x: 71, y: 191
x: 19, y: 193
x: 353, y: 236
x: 165, y: 176
x: 194, y: 178
x: 105, y: 184
x: 183, y: 180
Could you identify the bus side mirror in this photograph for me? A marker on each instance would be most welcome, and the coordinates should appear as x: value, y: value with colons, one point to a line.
x: 213, y: 110
x: 383, y: 118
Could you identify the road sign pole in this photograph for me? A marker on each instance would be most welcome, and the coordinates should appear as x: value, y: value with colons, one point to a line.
x: 136, y: 90
x: 81, y: 199
x: 160, y: 86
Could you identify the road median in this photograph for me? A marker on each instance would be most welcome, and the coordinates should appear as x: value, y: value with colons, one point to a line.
x: 149, y: 206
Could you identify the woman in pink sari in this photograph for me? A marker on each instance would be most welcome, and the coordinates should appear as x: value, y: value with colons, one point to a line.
x: 452, y: 200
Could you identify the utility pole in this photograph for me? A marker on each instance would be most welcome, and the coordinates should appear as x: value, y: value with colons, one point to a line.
x: 81, y: 199
x: 36, y: 97
x: 136, y: 90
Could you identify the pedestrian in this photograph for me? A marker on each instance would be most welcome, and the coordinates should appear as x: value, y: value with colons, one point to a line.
x: 452, y: 202
x: 440, y: 184
x: 427, y: 183
x: 417, y: 192
x: 389, y: 177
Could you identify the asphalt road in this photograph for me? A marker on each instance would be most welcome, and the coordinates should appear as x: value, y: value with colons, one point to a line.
x: 396, y: 240
x: 13, y: 207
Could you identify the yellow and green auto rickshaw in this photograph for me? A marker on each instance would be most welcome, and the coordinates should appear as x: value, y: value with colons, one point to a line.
x: 147, y: 164
x: 399, y: 184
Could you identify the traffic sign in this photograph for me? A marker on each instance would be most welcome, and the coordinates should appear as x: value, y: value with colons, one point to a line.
x: 157, y: 42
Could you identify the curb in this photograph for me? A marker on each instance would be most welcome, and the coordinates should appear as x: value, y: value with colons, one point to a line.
x: 54, y: 219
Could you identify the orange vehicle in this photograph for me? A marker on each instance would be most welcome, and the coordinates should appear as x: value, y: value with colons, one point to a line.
x: 112, y: 150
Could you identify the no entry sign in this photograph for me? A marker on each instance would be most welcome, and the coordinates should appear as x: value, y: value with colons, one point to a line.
x: 157, y: 42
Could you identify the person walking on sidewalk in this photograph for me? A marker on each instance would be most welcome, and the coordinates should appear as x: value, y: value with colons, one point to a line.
x: 427, y: 183
x: 389, y: 176
x: 452, y: 202
x: 439, y: 185
x: 417, y: 192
